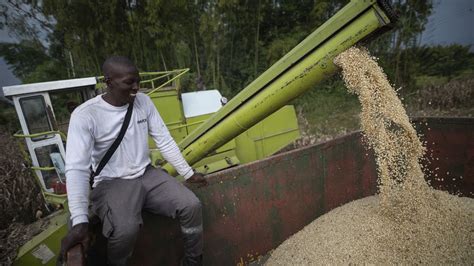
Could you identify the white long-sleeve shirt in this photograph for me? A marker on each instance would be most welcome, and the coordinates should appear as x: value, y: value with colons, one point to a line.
x: 93, y: 127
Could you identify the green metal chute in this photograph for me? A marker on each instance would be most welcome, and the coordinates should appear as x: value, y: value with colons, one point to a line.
x: 302, y: 68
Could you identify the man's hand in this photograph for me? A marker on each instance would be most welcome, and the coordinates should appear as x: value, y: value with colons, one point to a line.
x: 79, y: 234
x: 198, y: 179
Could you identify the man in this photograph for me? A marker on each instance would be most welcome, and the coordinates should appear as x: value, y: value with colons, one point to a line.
x: 127, y: 184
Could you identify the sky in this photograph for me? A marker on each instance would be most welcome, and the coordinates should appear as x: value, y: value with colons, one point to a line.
x: 452, y: 21
x: 6, y: 76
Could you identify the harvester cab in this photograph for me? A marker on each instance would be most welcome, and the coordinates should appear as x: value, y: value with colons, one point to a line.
x: 43, y: 110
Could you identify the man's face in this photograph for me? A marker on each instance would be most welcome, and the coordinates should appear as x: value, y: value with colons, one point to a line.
x: 123, y: 84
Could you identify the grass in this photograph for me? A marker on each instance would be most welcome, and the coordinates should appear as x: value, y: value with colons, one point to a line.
x: 328, y: 111
x: 422, y: 81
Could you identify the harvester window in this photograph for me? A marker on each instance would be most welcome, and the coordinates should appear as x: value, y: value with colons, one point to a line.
x: 34, y: 111
x: 54, y: 176
x: 64, y: 102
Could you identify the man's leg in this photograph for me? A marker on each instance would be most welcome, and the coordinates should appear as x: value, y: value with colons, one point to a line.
x: 118, y: 203
x: 166, y: 196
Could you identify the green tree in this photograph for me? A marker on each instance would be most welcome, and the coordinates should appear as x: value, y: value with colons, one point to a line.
x: 448, y: 61
x: 411, y: 23
x: 23, y: 57
x: 227, y: 43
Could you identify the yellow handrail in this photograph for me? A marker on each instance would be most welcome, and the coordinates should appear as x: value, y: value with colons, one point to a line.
x: 46, y: 168
x: 161, y: 74
x: 184, y: 71
x: 63, y: 136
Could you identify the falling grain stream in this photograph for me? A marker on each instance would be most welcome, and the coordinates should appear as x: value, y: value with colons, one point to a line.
x: 407, y: 222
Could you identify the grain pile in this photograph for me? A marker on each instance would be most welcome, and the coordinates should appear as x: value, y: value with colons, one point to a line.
x: 408, y: 222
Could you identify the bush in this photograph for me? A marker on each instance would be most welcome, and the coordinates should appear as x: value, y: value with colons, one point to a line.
x: 20, y: 194
x: 453, y: 94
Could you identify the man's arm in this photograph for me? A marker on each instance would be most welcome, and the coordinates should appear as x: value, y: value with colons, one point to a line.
x: 78, y: 160
x: 168, y: 147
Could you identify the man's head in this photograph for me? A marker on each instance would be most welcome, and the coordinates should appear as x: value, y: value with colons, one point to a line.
x: 122, y: 79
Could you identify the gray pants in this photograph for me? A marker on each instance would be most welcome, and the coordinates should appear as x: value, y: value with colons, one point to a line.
x: 119, y: 204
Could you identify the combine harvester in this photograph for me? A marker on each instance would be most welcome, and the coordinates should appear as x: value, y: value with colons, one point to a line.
x: 252, y: 208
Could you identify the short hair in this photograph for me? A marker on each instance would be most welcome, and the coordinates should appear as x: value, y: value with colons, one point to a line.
x: 113, y: 61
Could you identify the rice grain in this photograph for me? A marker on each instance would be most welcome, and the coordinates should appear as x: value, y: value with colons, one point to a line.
x: 408, y: 222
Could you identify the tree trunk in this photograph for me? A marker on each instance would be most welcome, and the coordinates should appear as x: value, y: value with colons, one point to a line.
x: 163, y: 61
x: 213, y: 67
x: 218, y: 67
x: 398, y: 53
x: 229, y: 69
x: 196, y: 55
x: 72, y: 64
x: 255, y: 69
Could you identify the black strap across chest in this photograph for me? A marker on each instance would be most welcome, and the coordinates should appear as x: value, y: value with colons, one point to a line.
x: 114, y: 145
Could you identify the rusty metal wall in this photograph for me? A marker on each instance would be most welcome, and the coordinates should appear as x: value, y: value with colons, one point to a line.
x: 251, y: 209
x: 450, y: 153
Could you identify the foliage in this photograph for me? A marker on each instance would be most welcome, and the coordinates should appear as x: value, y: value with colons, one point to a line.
x: 8, y: 120
x: 21, y: 197
x: 23, y: 57
x: 22, y: 201
x: 448, y: 61
x: 453, y: 94
x: 226, y: 43
x: 329, y: 109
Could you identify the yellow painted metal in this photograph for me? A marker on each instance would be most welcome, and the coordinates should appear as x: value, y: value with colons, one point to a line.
x: 171, y: 111
x: 52, y: 198
x: 262, y: 140
x: 49, y: 168
x: 196, y: 121
x: 63, y: 136
x: 44, y: 247
x: 179, y: 72
x: 299, y: 78
x: 152, y: 78
x: 49, y: 197
x: 170, y: 108
x: 268, y: 136
x: 217, y: 161
x: 321, y: 35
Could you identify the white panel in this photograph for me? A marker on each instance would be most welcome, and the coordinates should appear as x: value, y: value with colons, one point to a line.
x: 201, y: 102
x: 48, y: 86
